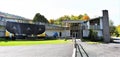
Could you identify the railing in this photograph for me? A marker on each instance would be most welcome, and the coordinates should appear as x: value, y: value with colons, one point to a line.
x: 75, y: 28
x: 94, y: 26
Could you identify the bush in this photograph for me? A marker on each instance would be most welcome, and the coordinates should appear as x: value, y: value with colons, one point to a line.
x: 2, y: 39
x: 93, y: 35
x: 50, y: 38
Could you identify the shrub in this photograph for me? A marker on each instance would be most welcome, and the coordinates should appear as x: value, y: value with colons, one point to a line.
x: 50, y: 38
x: 93, y: 35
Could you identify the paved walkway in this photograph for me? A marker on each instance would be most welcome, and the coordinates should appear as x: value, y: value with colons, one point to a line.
x: 51, y: 50
x: 99, y: 50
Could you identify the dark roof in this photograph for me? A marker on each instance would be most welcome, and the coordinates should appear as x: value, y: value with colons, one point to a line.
x: 94, y: 18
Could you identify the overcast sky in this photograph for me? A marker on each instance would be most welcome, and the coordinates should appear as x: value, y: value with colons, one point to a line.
x: 53, y: 9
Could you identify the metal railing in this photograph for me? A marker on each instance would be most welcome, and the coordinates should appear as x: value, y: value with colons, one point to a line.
x: 94, y: 26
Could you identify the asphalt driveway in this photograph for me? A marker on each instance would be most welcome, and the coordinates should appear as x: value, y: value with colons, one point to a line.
x: 100, y: 50
x: 50, y: 50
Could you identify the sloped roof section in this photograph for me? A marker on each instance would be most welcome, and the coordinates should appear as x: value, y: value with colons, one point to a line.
x: 7, y: 15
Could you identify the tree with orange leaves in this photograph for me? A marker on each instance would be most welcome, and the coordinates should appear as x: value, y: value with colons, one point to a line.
x: 85, y: 17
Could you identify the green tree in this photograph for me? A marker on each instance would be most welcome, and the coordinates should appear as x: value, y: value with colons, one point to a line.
x: 73, y: 17
x: 113, y: 29
x: 60, y: 19
x: 111, y: 23
x: 80, y: 17
x: 40, y: 18
x: 51, y: 21
x: 118, y: 29
x: 65, y: 17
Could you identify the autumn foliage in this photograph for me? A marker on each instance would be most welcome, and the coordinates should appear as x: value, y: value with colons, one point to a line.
x: 58, y: 21
x: 85, y: 17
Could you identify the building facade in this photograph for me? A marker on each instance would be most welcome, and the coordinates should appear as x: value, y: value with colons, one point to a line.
x: 94, y: 24
x: 4, y: 17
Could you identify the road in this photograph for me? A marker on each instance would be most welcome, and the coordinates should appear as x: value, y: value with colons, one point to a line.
x: 50, y: 50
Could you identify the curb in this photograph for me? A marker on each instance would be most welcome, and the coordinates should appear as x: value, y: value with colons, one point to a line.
x: 74, y: 52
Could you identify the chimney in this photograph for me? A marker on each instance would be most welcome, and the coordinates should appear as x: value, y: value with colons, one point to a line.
x: 106, y: 30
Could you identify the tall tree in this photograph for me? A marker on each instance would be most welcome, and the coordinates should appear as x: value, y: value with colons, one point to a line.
x: 113, y: 29
x: 40, y: 18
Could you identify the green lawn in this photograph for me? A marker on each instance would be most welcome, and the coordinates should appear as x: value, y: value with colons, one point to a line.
x: 18, y: 43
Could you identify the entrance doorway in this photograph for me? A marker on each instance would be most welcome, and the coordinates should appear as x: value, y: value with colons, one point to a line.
x: 75, y: 30
x: 75, y: 33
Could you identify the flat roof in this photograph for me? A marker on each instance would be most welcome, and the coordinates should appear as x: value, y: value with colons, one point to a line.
x: 73, y: 21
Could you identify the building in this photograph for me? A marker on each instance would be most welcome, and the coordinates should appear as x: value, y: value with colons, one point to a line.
x: 80, y: 29
x: 4, y: 17
x: 62, y: 32
x: 94, y: 24
x: 71, y: 28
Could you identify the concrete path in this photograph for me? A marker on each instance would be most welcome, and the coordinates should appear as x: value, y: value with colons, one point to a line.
x: 99, y: 50
x: 55, y: 50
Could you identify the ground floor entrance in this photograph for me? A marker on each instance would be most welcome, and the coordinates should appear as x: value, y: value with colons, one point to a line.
x: 75, y: 27
x: 75, y: 33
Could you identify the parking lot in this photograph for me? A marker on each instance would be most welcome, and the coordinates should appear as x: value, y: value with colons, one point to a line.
x: 46, y: 50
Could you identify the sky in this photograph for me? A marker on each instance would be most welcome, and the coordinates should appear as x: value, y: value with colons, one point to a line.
x: 53, y: 9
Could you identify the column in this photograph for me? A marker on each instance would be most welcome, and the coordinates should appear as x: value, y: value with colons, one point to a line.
x: 101, y: 24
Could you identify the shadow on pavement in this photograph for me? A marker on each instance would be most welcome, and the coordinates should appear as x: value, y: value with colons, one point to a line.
x: 80, y: 49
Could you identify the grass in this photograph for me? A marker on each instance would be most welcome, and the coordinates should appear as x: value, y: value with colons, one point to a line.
x: 19, y: 43
x: 91, y: 42
x: 94, y: 42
